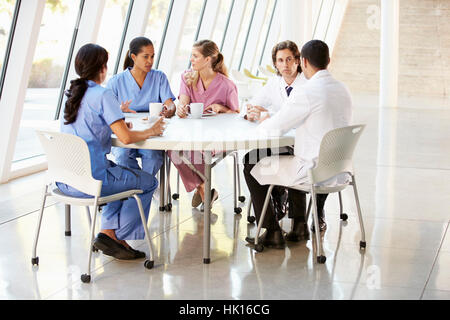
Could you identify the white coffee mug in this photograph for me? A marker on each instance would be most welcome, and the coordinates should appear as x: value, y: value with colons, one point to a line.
x: 263, y: 114
x: 196, y: 110
x: 155, y: 109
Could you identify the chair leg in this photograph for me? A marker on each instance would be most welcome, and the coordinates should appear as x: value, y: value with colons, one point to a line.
x: 250, y: 218
x: 320, y: 256
x: 168, y: 191
x: 362, y: 243
x: 235, y: 184
x: 34, y: 257
x: 88, y: 215
x: 176, y: 195
x: 342, y: 215
x: 86, y: 278
x: 68, y: 231
x: 241, y: 198
x: 259, y: 247
x: 162, y: 187
x: 308, y: 211
x: 148, y: 263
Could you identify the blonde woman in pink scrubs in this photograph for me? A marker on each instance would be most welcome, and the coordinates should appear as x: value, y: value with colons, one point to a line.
x: 206, y: 83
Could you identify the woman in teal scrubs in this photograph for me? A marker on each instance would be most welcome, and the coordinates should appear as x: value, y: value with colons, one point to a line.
x: 93, y: 113
x: 136, y: 87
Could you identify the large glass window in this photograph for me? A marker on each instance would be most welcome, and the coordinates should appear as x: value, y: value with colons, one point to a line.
x: 183, y: 54
x: 111, y: 29
x: 47, y: 70
x: 156, y: 22
x: 263, y: 36
x: 219, y: 28
x: 6, y: 18
x: 242, y: 34
x: 273, y: 36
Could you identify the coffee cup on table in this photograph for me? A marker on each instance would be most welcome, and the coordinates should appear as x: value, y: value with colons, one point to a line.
x: 155, y: 109
x: 196, y: 110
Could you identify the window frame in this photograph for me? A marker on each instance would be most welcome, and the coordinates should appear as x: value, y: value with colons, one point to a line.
x: 12, y: 31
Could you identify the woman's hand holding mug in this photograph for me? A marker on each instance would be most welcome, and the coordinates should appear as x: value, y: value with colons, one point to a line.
x: 182, y: 110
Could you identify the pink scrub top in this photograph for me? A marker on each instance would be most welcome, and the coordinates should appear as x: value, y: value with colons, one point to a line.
x: 221, y: 91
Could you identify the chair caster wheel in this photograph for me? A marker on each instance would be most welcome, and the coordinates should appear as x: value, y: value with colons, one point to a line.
x: 94, y: 249
x: 175, y: 196
x: 251, y: 219
x: 237, y: 210
x: 241, y: 198
x: 321, y: 259
x: 362, y: 244
x: 85, y: 278
x: 162, y: 208
x: 259, y: 247
x: 168, y: 207
x: 35, y: 261
x: 344, y: 216
x: 148, y: 264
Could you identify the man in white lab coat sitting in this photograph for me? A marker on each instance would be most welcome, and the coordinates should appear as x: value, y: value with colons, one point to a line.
x: 270, y: 98
x: 321, y: 105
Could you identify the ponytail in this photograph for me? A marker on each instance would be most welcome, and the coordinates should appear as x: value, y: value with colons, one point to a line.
x: 74, y: 96
x: 89, y: 63
x: 219, y: 65
x: 128, y: 62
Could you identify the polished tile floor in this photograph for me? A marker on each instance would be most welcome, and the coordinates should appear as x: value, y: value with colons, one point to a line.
x: 402, y: 165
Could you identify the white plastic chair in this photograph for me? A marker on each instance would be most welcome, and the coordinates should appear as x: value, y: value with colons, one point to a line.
x: 335, y: 158
x: 69, y: 162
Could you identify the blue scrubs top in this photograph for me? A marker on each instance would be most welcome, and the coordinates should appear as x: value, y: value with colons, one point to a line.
x: 99, y: 109
x: 156, y: 88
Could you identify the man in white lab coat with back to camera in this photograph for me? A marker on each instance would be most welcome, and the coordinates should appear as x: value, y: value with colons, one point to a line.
x: 323, y: 104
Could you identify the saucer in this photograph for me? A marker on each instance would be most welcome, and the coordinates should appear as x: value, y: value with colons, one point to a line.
x: 208, y: 114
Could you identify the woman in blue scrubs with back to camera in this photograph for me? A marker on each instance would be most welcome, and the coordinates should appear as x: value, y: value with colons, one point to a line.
x: 136, y: 87
x: 93, y: 113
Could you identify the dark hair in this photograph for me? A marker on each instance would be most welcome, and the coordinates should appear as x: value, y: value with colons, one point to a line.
x: 135, y: 47
x: 89, y: 62
x: 286, y: 45
x: 317, y: 53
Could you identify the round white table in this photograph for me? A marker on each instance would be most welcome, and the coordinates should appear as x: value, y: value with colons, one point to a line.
x: 226, y: 132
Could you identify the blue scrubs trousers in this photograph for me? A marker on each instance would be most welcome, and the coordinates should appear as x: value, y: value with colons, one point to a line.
x: 152, y: 160
x: 122, y: 216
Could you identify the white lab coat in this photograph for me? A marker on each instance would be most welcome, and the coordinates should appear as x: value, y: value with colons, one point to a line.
x: 320, y: 105
x: 273, y: 95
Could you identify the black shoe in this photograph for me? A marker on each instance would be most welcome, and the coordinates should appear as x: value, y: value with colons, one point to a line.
x: 272, y: 239
x: 111, y: 247
x: 322, y: 225
x: 299, y: 231
x: 137, y: 254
